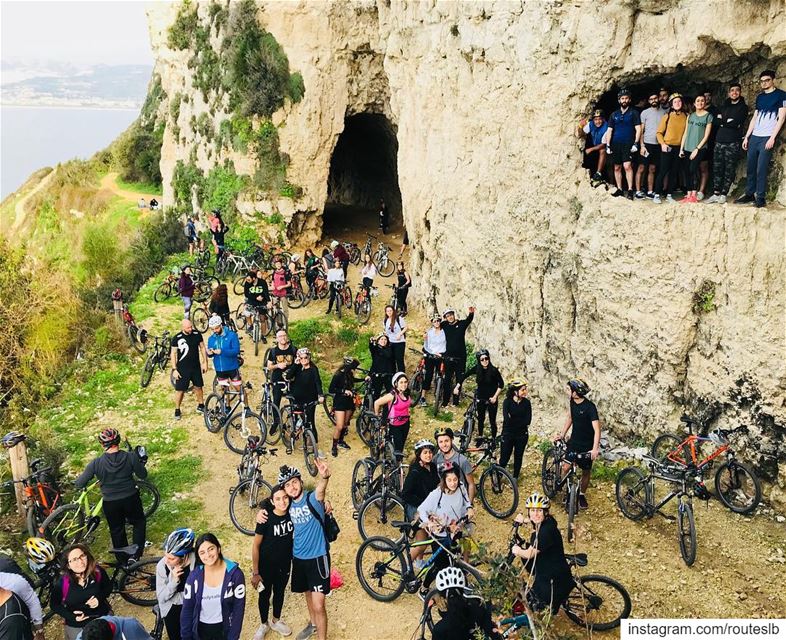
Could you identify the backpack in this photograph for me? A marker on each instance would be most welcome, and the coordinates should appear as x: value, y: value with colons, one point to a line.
x: 67, y: 583
x: 187, y: 230
x: 329, y: 525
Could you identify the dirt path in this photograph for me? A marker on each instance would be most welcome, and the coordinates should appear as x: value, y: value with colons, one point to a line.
x: 109, y: 182
x: 20, y: 212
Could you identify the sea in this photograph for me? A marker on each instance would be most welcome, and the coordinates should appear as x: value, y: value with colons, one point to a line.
x: 35, y: 137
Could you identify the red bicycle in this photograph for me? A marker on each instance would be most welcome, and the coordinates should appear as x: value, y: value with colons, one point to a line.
x: 137, y: 336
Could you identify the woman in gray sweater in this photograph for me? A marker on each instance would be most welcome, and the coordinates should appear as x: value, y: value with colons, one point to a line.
x: 171, y: 573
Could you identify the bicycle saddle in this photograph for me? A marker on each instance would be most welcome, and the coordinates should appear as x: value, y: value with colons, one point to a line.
x: 687, y: 419
x: 404, y: 527
x: 579, y: 559
x: 130, y: 550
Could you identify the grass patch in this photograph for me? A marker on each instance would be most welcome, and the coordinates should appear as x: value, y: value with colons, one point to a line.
x: 606, y: 471
x: 140, y: 187
x: 304, y: 333
x: 445, y: 416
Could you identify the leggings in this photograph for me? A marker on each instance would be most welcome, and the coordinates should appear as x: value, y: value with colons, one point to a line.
x: 398, y: 354
x: 483, y: 407
x: 398, y: 434
x: 275, y: 575
x: 401, y: 297
x: 117, y: 513
x: 172, y: 622
x: 668, y: 170
x: 694, y: 174
x: 514, y: 443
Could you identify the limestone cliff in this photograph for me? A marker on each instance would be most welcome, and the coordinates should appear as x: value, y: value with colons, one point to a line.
x: 662, y: 309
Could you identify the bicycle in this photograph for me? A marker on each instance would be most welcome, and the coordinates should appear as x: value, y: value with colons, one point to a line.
x: 277, y: 317
x: 136, y: 336
x: 168, y: 288
x: 470, y: 417
x: 366, y: 414
x: 343, y: 297
x: 268, y: 410
x: 353, y: 251
x: 370, y: 473
x: 736, y: 485
x: 385, y: 266
x: 363, y: 303
x: 554, y: 479
x: 237, y: 420
x: 40, y: 493
x: 159, y: 357
x: 318, y: 289
x: 394, y: 302
x: 497, y: 488
x: 294, y: 425
x: 252, y: 489
x: 385, y: 569
x: 296, y: 297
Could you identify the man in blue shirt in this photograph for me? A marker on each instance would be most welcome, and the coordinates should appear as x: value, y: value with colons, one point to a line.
x: 765, y: 125
x: 595, y: 130
x: 624, y: 136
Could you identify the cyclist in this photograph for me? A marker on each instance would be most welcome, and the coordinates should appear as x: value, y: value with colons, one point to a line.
x: 544, y: 557
x: 218, y: 229
x: 466, y: 616
x: 256, y: 296
x: 395, y: 329
x: 340, y: 256
x: 185, y: 287
x: 214, y: 598
x: 219, y: 303
x: 421, y: 480
x: 342, y: 386
x: 335, y: 278
x: 516, y: 418
x: 403, y: 283
x: 435, y: 345
x: 311, y: 266
x: 583, y: 420
x: 282, y: 284
x: 224, y: 347
x: 490, y: 386
x: 115, y: 471
x: 369, y: 272
x: 189, y: 361
x: 271, y: 556
x: 82, y: 592
x: 190, y: 231
x: 455, y: 336
x: 305, y: 385
x: 201, y: 230
x: 447, y: 452
x: 398, y: 405
x: 278, y: 359
x: 172, y: 571
x: 381, y: 362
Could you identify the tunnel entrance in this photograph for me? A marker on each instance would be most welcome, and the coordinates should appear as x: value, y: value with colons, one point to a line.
x: 363, y: 171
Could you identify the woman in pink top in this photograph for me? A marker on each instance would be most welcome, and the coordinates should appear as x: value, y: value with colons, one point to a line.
x: 398, y: 403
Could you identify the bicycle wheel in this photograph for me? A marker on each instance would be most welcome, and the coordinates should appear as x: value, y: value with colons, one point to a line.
x: 686, y: 528
x: 310, y: 451
x: 133, y: 336
x: 244, y: 502
x: 147, y: 370
x: 327, y: 405
x: 297, y: 299
x: 137, y: 583
x: 499, y: 491
x: 573, y: 507
x: 239, y: 427
x: 354, y: 255
x: 597, y: 602
x: 437, y: 395
x: 364, y: 426
x: 64, y: 526
x: 279, y: 322
x: 237, y: 285
x: 664, y: 445
x: 151, y: 498
x: 364, y: 312
x: 550, y: 472
x: 214, y: 413
x: 633, y: 493
x: 359, y: 487
x: 199, y: 318
x: 202, y: 291
x: 339, y: 305
x: 271, y: 415
x: 256, y: 337
x: 386, y: 267
x: 240, y: 317
x: 163, y: 292
x: 416, y: 387
x: 380, y: 567
x: 737, y: 487
x: 468, y: 428
x: 376, y: 515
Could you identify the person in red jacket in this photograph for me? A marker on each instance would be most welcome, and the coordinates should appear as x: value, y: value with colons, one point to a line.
x: 341, y: 256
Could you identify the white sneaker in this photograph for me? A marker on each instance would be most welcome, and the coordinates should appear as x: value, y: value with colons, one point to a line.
x: 669, y: 198
x: 699, y: 196
x: 656, y: 199
x: 308, y: 631
x: 712, y: 199
x: 281, y: 627
x: 261, y: 632
x: 721, y: 199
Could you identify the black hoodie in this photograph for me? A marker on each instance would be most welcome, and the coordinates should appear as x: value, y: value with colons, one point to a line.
x: 730, y: 121
x: 115, y: 472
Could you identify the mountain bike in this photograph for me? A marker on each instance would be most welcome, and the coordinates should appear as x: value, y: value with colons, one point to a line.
x: 394, y: 301
x: 365, y: 412
x: 385, y: 569
x: 353, y: 251
x: 343, y: 297
x: 159, y: 358
x: 271, y: 413
x: 236, y: 419
x: 470, y: 416
x: 296, y: 297
x: 40, y: 493
x: 318, y: 288
x: 278, y: 319
x: 252, y: 488
x: 736, y: 486
x: 168, y: 288
x: 385, y: 265
x: 497, y: 488
x: 366, y: 248
x: 136, y: 336
x: 295, y: 424
x: 554, y: 478
x: 363, y: 303
x: 635, y: 494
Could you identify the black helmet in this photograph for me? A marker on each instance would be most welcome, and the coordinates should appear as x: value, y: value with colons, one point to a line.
x: 623, y: 92
x: 580, y: 387
x: 482, y: 352
x: 443, y: 431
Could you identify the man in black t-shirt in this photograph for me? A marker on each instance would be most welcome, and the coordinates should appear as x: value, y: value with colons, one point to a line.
x: 278, y: 360
x: 456, y: 351
x: 583, y: 421
x: 189, y: 361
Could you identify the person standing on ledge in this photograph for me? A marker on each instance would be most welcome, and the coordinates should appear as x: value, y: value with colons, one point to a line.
x: 765, y: 125
x: 624, y: 136
x: 384, y: 217
x: 730, y: 121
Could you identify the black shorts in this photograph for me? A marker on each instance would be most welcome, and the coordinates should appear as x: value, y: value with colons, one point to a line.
x: 187, y: 377
x: 653, y: 159
x: 311, y: 575
x: 343, y: 403
x: 232, y: 374
x: 621, y: 152
x: 584, y: 463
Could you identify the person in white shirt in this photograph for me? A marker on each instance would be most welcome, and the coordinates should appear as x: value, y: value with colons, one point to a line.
x: 369, y: 272
x: 335, y: 276
x: 435, y: 346
x: 395, y: 328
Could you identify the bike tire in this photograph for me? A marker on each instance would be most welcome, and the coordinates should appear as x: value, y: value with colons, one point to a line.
x: 213, y: 414
x: 310, y: 451
x: 376, y: 515
x: 437, y: 396
x: 244, y: 502
x: 202, y: 291
x: 468, y: 429
x: 354, y: 255
x: 279, y: 322
x: 736, y: 479
x: 199, y: 318
x: 359, y: 486
x: 499, y: 491
x: 416, y: 388
x: 346, y: 296
x: 380, y: 567
x: 238, y: 428
x: 237, y: 285
x: 137, y: 583
x: 240, y: 318
x: 587, y: 603
x: 364, y: 426
x: 686, y: 529
x: 664, y: 444
x: 133, y: 337
x: 147, y: 371
x: 385, y: 266
x: 150, y: 496
x: 64, y: 526
x: 633, y: 493
x: 550, y: 472
x: 327, y: 405
x: 297, y: 300
x: 31, y: 522
x: 271, y: 414
x: 364, y: 312
x: 256, y: 337
x: 286, y: 430
x: 573, y: 507
x: 162, y: 292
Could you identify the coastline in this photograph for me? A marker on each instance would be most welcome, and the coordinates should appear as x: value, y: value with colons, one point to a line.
x: 38, y: 105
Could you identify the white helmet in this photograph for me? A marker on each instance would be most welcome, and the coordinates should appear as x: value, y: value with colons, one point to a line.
x: 294, y: 257
x: 448, y: 312
x: 334, y: 244
x: 450, y: 578
x: 215, y: 321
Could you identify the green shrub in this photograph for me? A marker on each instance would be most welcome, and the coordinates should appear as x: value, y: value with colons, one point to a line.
x: 304, y: 333
x: 704, y: 298
x: 182, y: 29
x: 221, y: 188
x: 183, y: 178
x: 204, y: 126
x: 174, y: 107
x: 242, y: 238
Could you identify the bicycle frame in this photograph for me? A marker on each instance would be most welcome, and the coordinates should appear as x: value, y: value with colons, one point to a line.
x: 689, y: 445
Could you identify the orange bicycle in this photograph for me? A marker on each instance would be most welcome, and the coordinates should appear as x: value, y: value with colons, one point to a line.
x: 736, y: 486
x: 41, y: 495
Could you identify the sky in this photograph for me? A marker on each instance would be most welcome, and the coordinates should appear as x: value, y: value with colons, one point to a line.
x: 81, y: 33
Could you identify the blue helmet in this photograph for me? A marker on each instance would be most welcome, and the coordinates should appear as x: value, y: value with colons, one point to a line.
x: 180, y: 542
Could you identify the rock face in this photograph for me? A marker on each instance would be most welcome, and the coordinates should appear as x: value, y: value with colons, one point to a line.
x: 663, y: 309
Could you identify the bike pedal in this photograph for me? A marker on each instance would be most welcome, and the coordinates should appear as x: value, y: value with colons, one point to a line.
x: 354, y: 514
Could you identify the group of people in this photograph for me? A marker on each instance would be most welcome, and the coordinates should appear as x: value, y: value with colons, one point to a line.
x: 672, y: 141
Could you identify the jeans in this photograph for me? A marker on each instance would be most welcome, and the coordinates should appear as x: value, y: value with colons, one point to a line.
x: 694, y: 176
x: 398, y: 434
x: 758, y: 161
x: 483, y: 407
x: 724, y: 166
x: 454, y: 367
x: 401, y: 297
x: 275, y: 575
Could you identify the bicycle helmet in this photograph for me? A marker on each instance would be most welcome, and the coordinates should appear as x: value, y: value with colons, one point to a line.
x: 215, y: 321
x: 180, y: 542
x: 598, y: 113
x: 451, y: 578
x: 717, y: 437
x: 443, y: 431
x: 286, y: 473
x: 303, y: 351
x: 354, y: 363
x: 13, y: 438
x: 578, y: 386
x: 482, y: 352
x: 518, y: 383
x: 623, y: 92
x: 425, y: 444
x: 109, y: 437
x: 436, y: 318
x: 674, y: 96
x: 334, y: 244
x: 447, y: 467
x: 117, y: 294
x: 538, y: 501
x: 40, y: 550
x: 397, y: 377
x: 448, y: 312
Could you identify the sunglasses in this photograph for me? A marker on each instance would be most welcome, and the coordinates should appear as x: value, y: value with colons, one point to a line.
x: 484, y: 358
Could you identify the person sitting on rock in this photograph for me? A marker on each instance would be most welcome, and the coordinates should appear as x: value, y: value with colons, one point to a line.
x: 595, y: 154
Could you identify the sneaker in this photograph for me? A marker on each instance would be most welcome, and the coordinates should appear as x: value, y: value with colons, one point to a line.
x: 422, y: 401
x: 656, y: 199
x: 650, y: 194
x: 200, y: 408
x: 629, y: 195
x: 617, y: 193
x: 748, y: 197
x: 670, y: 198
x: 699, y: 196
x: 597, y: 177
x: 177, y: 414
x: 640, y: 195
x: 583, y: 504
x: 721, y: 199
x: 344, y: 445
x: 712, y: 199
x: 334, y: 451
x: 760, y: 204
x: 308, y: 631
x: 279, y: 626
x: 261, y: 632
